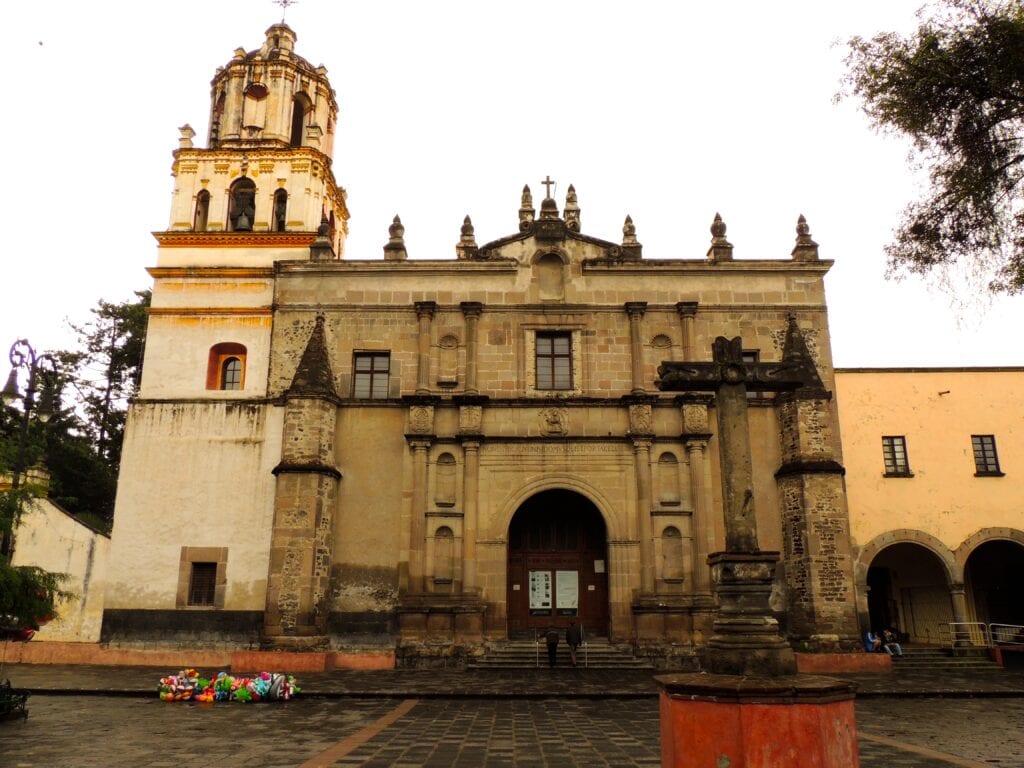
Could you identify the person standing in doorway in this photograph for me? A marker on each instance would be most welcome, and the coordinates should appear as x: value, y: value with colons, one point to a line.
x: 551, y: 638
x: 573, y: 637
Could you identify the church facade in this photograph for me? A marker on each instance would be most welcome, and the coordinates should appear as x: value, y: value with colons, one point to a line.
x: 332, y: 450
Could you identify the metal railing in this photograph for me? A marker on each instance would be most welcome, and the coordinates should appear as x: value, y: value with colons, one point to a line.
x: 958, y: 634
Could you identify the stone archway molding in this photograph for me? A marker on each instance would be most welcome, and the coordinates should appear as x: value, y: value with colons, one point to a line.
x: 866, y: 554
x: 983, y: 536
x: 556, y: 483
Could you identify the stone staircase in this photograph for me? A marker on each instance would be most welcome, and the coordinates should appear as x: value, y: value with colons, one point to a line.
x: 944, y: 659
x: 525, y: 654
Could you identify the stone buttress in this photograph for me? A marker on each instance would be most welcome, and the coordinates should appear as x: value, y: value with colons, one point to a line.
x: 306, y: 495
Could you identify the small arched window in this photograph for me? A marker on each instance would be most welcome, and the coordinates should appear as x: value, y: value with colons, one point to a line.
x: 202, y: 211
x: 231, y: 374
x: 243, y: 205
x: 280, y: 210
x: 300, y: 106
x: 672, y: 554
x: 225, y: 368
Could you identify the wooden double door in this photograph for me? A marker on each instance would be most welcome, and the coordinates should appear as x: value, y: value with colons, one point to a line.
x: 557, y: 565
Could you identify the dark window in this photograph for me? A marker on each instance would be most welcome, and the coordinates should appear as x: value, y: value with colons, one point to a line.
x: 371, y: 375
x: 986, y: 462
x: 202, y: 585
x: 554, y: 361
x: 231, y: 374
x: 299, y: 107
x: 894, y: 452
x: 243, y: 205
x: 280, y: 210
x: 202, y: 211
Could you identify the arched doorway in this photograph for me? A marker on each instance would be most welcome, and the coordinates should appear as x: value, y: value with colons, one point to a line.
x: 993, y: 577
x: 908, y: 590
x: 557, y: 564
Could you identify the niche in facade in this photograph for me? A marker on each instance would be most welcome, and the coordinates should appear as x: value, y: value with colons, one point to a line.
x: 243, y: 205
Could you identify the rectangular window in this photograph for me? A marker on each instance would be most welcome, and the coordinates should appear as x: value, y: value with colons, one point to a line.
x: 202, y: 584
x: 752, y: 356
x: 554, y: 360
x: 894, y: 452
x: 370, y: 381
x: 986, y: 462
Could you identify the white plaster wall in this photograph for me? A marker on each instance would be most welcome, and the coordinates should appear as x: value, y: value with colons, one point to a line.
x: 178, y: 350
x: 200, y: 475
x: 51, y: 539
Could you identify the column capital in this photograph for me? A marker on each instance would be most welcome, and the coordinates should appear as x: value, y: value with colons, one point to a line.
x: 419, y: 442
x: 471, y: 309
x: 471, y: 442
x: 686, y: 308
x: 635, y: 309
x: 642, y: 443
x: 425, y: 308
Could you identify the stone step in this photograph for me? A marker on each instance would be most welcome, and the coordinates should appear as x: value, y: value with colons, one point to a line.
x: 520, y: 654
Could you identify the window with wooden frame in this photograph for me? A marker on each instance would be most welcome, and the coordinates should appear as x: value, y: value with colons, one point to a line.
x: 202, y: 584
x: 370, y: 375
x: 986, y: 460
x: 225, y: 368
x: 554, y: 360
x: 894, y: 454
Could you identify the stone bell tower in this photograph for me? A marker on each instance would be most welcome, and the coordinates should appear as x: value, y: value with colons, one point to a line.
x: 267, y: 166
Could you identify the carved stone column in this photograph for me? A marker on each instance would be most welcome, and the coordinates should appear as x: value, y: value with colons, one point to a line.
x: 703, y: 531
x: 471, y: 481
x: 471, y: 310
x: 687, y: 313
x: 636, y: 310
x: 642, y: 460
x: 417, y: 526
x: 424, y: 314
x: 958, y: 597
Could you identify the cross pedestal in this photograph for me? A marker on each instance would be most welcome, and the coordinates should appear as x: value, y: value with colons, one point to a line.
x: 753, y: 711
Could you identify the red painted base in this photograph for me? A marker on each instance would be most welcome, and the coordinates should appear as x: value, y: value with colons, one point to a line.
x: 797, y: 721
x: 835, y: 663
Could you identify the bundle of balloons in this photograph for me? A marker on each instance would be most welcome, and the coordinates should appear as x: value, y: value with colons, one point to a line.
x: 188, y: 685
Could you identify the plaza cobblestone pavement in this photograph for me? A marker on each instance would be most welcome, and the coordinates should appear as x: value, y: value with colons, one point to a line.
x: 448, y: 718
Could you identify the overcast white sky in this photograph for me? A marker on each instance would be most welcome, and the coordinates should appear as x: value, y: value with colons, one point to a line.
x: 666, y: 111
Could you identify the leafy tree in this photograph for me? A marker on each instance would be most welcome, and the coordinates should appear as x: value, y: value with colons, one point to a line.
x: 955, y: 87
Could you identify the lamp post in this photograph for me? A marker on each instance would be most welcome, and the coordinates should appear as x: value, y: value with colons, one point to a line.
x: 42, y: 379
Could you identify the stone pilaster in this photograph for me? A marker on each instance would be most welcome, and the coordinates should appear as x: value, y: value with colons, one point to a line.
x: 471, y: 310
x: 636, y: 310
x: 642, y: 460
x: 470, y: 499
x: 417, y: 523
x: 687, y: 314
x: 424, y: 314
x: 304, y: 505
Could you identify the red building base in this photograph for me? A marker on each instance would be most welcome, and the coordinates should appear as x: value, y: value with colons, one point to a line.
x: 797, y: 721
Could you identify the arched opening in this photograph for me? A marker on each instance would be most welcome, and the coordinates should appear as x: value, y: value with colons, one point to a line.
x: 668, y: 480
x: 225, y: 368
x: 444, y: 559
x: 908, y: 591
x: 673, y: 561
x: 231, y: 374
x: 444, y: 495
x: 300, y: 105
x: 243, y: 205
x: 280, y: 210
x: 557, y: 564
x: 993, y: 577
x: 202, y: 211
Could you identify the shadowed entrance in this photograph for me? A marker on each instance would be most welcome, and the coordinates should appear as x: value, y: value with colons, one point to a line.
x: 557, y: 564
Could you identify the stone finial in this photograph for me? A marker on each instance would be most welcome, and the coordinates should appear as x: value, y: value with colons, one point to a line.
x: 395, y: 248
x: 322, y: 249
x: 572, y: 210
x: 629, y: 231
x: 721, y: 249
x: 631, y: 248
x: 313, y: 375
x: 526, y: 212
x: 185, y: 140
x: 467, y: 247
x: 805, y: 249
x: 548, y: 209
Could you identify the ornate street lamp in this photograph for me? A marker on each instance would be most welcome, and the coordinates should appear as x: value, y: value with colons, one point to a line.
x: 42, y: 379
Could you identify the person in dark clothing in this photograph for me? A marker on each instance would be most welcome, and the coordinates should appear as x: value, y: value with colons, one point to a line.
x: 573, y: 637
x: 551, y: 638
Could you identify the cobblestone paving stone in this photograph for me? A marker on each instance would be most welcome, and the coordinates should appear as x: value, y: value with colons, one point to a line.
x: 116, y: 732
